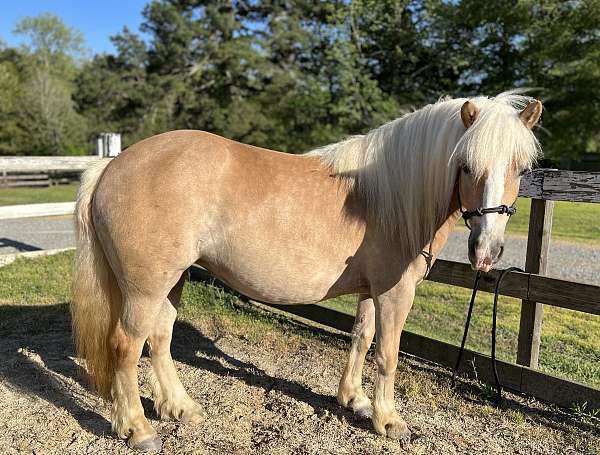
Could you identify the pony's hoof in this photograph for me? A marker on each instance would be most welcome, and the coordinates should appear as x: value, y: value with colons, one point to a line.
x: 398, y: 431
x: 152, y: 443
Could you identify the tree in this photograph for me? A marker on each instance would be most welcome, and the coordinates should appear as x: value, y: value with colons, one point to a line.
x: 552, y: 46
x: 563, y: 59
x: 114, y: 92
x: 293, y: 75
x: 9, y: 95
x: 45, y: 109
x: 51, y: 43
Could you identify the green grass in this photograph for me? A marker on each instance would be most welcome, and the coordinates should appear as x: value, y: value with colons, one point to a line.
x: 24, y: 195
x: 41, y: 281
x: 570, y: 341
x: 572, y: 222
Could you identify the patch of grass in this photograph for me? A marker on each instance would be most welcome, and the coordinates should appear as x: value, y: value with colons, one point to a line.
x: 24, y: 195
x: 46, y: 281
x: 570, y: 342
x: 226, y: 312
x: 572, y: 222
x: 40, y: 281
x: 570, y: 345
x: 586, y: 414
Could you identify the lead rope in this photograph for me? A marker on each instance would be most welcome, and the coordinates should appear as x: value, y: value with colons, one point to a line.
x: 503, y: 273
x: 466, y: 215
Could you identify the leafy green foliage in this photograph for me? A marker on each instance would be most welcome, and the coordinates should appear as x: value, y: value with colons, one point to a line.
x: 295, y: 75
x: 39, y: 115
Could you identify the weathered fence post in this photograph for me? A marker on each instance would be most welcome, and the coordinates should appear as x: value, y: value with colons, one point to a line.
x: 538, y: 245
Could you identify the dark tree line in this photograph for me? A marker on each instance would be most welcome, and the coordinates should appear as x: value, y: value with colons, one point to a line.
x: 292, y: 75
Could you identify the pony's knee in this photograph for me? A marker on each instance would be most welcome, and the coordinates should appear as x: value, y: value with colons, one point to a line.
x: 362, y: 338
x: 387, y: 362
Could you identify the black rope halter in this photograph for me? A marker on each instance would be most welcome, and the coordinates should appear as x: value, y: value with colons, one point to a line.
x: 480, y: 211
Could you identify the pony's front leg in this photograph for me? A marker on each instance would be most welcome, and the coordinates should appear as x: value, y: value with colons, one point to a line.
x: 350, y: 391
x: 391, y: 310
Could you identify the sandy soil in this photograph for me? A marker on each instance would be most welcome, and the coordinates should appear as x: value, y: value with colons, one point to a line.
x: 272, y: 395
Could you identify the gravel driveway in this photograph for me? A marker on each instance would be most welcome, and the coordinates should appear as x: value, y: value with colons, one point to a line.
x: 31, y: 234
x: 569, y: 261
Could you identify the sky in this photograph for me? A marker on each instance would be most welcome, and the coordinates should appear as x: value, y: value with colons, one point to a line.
x: 97, y: 20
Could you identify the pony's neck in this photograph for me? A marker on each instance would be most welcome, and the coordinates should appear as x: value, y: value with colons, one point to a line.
x: 403, y: 171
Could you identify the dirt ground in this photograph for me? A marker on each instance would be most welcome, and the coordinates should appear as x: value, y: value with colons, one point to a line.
x: 274, y: 394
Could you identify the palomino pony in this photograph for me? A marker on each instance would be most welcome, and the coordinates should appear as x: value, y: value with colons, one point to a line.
x: 367, y: 215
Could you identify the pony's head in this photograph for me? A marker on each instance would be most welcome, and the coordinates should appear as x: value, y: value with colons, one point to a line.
x: 497, y: 148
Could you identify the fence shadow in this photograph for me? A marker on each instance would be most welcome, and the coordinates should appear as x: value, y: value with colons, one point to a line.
x: 36, y: 358
x: 19, y: 246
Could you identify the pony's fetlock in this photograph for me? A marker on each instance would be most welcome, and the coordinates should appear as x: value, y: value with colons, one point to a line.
x: 356, y: 400
x: 183, y: 409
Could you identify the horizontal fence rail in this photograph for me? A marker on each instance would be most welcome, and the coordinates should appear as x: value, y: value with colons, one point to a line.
x: 46, y: 163
x: 16, y: 171
x: 525, y: 286
x: 555, y: 185
x: 517, y: 378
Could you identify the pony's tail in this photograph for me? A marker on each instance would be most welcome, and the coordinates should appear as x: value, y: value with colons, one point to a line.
x: 96, y: 298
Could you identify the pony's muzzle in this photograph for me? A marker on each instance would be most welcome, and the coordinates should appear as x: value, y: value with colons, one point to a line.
x: 484, y: 251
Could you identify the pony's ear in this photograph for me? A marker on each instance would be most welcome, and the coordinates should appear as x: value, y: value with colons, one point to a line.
x: 469, y: 113
x: 531, y: 114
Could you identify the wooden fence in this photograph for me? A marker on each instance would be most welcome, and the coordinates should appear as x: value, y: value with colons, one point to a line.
x: 42, y: 170
x: 544, y: 186
x: 532, y: 287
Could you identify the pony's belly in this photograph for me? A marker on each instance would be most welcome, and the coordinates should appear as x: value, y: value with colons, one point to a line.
x: 283, y: 274
x: 271, y: 286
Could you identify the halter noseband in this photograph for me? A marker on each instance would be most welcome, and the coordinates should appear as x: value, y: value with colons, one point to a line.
x: 480, y: 211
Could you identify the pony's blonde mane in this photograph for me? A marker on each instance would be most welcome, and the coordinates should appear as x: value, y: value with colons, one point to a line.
x: 406, y: 170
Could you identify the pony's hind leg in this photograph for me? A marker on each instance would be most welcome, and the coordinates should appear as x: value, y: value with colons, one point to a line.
x: 350, y: 391
x: 171, y: 401
x: 127, y: 417
x: 142, y: 302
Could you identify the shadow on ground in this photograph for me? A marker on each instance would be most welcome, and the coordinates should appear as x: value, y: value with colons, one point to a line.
x: 37, y: 358
x: 19, y: 246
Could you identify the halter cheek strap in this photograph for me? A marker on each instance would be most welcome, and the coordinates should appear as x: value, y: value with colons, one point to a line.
x: 480, y: 211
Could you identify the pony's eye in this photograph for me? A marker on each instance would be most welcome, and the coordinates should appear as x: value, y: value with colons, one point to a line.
x: 466, y: 169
